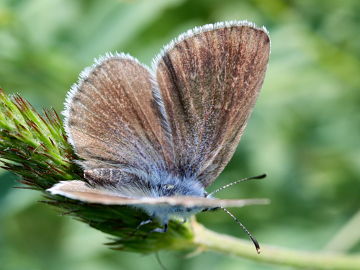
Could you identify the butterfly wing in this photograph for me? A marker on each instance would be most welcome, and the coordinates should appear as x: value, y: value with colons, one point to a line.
x: 209, y: 79
x: 110, y: 117
x: 78, y: 190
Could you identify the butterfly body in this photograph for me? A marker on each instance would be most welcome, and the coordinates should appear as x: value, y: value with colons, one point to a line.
x: 156, y: 184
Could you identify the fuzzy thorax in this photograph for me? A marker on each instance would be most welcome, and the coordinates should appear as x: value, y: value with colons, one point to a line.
x: 172, y: 186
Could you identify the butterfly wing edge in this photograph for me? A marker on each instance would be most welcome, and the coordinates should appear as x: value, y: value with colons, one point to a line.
x: 84, y: 74
x: 200, y: 29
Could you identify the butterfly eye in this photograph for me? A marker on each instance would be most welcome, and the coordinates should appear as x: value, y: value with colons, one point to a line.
x: 168, y: 187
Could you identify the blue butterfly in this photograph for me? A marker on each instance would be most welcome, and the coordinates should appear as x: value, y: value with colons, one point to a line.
x: 155, y: 138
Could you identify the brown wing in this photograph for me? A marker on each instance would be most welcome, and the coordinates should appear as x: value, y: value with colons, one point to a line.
x: 78, y: 190
x: 209, y: 79
x: 110, y: 117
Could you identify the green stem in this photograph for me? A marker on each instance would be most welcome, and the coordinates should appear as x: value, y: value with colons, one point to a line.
x: 207, y: 240
x: 347, y: 237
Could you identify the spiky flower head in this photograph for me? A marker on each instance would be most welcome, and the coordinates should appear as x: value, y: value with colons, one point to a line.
x: 35, y: 147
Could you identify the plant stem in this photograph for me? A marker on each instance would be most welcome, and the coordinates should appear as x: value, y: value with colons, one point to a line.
x: 208, y: 240
x: 347, y: 237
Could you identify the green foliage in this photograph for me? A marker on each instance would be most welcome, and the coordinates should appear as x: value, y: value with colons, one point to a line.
x: 34, y: 146
x: 303, y: 132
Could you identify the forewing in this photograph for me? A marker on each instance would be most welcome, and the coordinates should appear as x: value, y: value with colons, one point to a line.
x: 209, y: 79
x: 110, y: 117
x: 78, y: 190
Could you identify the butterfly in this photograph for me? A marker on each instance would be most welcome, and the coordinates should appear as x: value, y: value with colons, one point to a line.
x: 155, y: 138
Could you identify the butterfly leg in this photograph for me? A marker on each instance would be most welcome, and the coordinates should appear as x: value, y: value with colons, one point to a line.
x: 142, y: 223
x: 161, y: 230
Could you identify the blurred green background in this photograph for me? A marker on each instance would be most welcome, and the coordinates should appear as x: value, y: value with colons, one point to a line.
x: 304, y: 131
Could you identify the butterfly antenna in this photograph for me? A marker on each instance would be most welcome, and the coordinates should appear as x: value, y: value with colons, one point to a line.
x: 256, y: 243
x: 262, y: 176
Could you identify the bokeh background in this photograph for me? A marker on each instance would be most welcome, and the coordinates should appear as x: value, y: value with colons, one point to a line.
x: 304, y: 131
